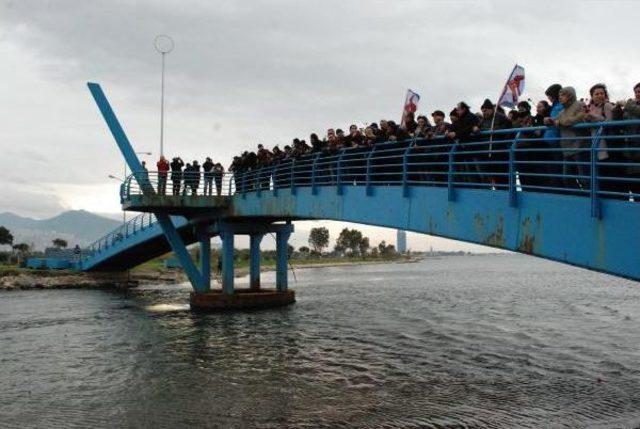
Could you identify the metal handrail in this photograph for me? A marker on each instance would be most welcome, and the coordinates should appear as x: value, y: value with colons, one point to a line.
x: 519, y: 160
x: 133, y: 226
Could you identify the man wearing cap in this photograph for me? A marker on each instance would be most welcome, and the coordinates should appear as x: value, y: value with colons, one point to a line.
x: 501, y: 122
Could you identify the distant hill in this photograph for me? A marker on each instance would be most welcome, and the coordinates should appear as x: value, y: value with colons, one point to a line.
x: 76, y: 226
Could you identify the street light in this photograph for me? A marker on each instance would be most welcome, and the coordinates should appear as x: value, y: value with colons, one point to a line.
x: 137, y: 153
x: 163, y: 44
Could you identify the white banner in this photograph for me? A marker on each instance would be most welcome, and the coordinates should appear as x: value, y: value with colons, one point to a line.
x: 410, y: 105
x: 513, y: 88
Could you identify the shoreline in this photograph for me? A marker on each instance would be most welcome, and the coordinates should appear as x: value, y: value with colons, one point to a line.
x: 25, y: 279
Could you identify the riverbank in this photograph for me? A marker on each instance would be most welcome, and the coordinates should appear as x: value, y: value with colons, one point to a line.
x: 13, y: 278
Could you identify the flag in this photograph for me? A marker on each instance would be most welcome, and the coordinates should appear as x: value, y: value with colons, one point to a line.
x: 410, y: 105
x: 513, y: 88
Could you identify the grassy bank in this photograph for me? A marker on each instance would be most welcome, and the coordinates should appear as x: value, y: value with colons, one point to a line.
x: 153, y: 272
x: 242, y: 265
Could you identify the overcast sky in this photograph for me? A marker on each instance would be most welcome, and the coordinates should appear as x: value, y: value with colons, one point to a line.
x: 244, y: 72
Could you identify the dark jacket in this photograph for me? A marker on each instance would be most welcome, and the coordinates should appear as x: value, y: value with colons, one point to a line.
x: 207, y: 167
x: 463, y: 127
x: 501, y: 122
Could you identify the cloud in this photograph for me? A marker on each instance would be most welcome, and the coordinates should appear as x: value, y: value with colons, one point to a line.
x: 30, y: 204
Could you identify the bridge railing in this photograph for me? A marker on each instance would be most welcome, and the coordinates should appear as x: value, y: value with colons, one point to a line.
x: 131, y: 227
x: 597, y: 160
x: 178, y: 184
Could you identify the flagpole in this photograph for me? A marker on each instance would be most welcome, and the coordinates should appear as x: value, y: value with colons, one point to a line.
x: 495, y: 109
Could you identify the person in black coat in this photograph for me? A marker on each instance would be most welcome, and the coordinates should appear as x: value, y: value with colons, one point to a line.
x: 195, y: 177
x: 176, y: 174
x: 463, y: 131
x: 207, y: 168
x: 186, y: 173
x: 218, y: 173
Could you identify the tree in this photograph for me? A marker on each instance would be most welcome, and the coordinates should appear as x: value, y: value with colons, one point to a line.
x: 319, y: 239
x: 21, y: 247
x: 59, y: 243
x: 386, y: 250
x: 363, y: 246
x: 349, y: 239
x: 303, y: 249
x: 5, y: 236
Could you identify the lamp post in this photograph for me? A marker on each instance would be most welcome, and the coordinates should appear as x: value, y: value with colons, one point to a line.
x: 163, y: 44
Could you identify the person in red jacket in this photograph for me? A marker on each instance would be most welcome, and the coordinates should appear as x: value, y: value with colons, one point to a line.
x: 163, y: 168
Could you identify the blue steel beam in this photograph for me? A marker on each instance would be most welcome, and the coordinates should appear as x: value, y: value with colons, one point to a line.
x: 227, y: 237
x: 205, y: 258
x: 118, y: 133
x: 551, y: 226
x: 173, y: 237
x: 282, y: 258
x: 254, y: 260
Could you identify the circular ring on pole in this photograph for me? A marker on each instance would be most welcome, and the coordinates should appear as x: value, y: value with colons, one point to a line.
x: 163, y: 44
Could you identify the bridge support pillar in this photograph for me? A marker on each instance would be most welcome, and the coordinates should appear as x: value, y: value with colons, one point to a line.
x: 205, y: 260
x: 254, y: 261
x: 282, y: 258
x: 227, y: 261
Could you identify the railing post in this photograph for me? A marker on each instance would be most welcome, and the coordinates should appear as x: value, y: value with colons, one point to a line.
x: 451, y: 173
x: 339, y: 173
x: 314, y: 189
x: 405, y: 173
x: 293, y: 176
x: 244, y: 184
x: 513, y: 198
x: 596, y: 211
x: 275, y: 179
x: 368, y: 189
x: 257, y: 182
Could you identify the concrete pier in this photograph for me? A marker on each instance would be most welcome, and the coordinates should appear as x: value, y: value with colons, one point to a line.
x: 242, y: 299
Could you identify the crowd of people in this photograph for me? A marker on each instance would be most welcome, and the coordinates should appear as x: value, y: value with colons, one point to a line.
x: 556, y: 157
x: 185, y: 178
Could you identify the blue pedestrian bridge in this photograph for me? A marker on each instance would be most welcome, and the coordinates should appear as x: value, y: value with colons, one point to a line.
x: 513, y: 189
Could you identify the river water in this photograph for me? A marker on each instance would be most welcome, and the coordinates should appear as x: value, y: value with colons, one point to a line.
x: 466, y: 341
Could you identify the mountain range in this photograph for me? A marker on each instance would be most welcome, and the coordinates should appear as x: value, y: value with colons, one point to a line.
x: 75, y: 226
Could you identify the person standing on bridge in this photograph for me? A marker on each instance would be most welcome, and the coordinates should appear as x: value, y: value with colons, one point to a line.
x: 163, y: 168
x: 195, y: 177
x: 464, y: 125
x: 631, y: 110
x: 575, y: 150
x: 207, y: 168
x: 218, y: 173
x: 600, y: 109
x: 176, y: 174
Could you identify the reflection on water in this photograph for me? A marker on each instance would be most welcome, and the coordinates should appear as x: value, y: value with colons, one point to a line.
x: 167, y: 307
x: 485, y: 341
